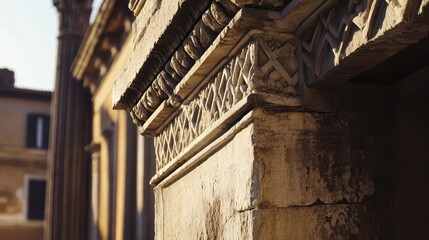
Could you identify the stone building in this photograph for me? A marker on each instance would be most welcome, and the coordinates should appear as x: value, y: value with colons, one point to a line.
x: 271, y: 119
x: 102, y: 173
x: 24, y: 133
x: 121, y: 197
x: 277, y: 119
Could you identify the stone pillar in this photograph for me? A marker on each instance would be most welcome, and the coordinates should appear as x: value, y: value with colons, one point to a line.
x: 68, y: 163
x: 256, y: 134
x: 145, y: 196
x: 93, y: 230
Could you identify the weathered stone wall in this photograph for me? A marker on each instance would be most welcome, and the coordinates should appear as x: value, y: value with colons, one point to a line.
x: 314, y: 176
x: 357, y: 171
x: 286, y: 175
x: 211, y: 201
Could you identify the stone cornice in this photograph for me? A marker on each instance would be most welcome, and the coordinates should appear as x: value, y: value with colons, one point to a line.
x: 332, y: 49
x: 101, y: 43
x: 155, y: 42
x: 260, y: 58
x: 142, y: 70
x: 165, y: 95
x: 91, y: 39
x: 199, y: 39
x: 154, y: 100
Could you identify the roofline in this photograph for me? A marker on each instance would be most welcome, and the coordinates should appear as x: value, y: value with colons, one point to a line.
x: 26, y: 94
x: 90, y: 40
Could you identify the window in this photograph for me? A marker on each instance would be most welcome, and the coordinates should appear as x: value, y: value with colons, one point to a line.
x: 37, y: 131
x: 36, y: 189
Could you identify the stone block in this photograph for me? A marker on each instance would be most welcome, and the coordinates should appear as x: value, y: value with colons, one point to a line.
x: 307, y: 158
x: 208, y: 201
x: 344, y: 221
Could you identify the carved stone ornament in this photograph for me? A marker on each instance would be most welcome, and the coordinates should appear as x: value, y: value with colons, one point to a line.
x: 204, y: 32
x: 238, y: 58
x: 254, y: 69
x: 339, y: 31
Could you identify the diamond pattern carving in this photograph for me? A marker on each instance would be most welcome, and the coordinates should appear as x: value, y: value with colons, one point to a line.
x: 245, y: 73
x: 340, y: 30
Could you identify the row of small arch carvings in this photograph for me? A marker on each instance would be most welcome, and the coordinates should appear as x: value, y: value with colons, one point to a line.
x: 213, y: 20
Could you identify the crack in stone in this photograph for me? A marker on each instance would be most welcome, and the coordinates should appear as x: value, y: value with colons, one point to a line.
x: 319, y: 202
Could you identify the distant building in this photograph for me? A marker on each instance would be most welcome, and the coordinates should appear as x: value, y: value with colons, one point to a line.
x: 104, y: 181
x: 121, y: 199
x: 24, y: 134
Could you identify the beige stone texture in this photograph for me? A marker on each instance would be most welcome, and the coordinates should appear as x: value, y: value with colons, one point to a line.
x: 310, y: 158
x: 278, y: 177
x: 317, y: 222
x: 210, y: 202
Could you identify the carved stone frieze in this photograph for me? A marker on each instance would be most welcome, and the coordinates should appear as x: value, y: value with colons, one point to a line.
x: 291, y: 50
x: 155, y: 92
x: 254, y: 69
x: 204, y: 32
x: 343, y: 27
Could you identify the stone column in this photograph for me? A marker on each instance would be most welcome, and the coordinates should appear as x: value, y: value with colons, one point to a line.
x: 93, y: 229
x: 145, y: 197
x: 68, y: 163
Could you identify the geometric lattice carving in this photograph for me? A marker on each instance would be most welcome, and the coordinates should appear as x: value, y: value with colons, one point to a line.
x: 229, y: 86
x: 340, y: 30
x: 246, y: 72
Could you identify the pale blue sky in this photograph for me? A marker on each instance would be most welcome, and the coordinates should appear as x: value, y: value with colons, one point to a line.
x: 28, y: 41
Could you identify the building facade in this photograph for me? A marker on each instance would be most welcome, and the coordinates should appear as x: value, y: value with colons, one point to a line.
x: 271, y: 119
x: 99, y: 166
x: 24, y: 134
x: 121, y: 197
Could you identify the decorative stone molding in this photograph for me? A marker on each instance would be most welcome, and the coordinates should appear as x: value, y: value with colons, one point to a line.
x: 101, y: 43
x: 343, y: 31
x: 237, y: 58
x: 254, y: 69
x: 153, y: 48
x: 155, y: 42
x: 161, y: 99
x: 212, y: 22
